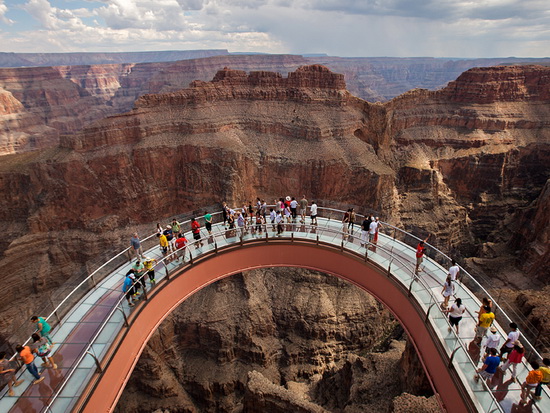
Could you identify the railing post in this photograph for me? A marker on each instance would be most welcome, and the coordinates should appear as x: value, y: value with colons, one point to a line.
x: 215, y: 246
x: 98, y: 366
x: 266, y: 236
x: 292, y: 237
x: 55, y: 309
x: 190, y: 257
x: 342, y: 246
x: 366, y: 253
x: 241, y: 236
x: 93, y: 280
x: 126, y: 324
x: 411, y: 285
x: 428, y: 312
x: 453, y: 356
x: 317, y: 239
x: 166, y: 267
x: 389, y: 268
x: 145, y: 292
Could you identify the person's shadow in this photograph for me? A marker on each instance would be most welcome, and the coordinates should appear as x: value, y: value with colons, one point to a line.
x: 474, y: 351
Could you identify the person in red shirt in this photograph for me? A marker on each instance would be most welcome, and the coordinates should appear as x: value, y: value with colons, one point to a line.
x: 181, y: 243
x: 196, y: 229
x: 420, y: 249
x: 27, y: 357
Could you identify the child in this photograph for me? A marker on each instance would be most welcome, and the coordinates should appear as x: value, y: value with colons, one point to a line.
x: 513, y: 359
x: 42, y: 348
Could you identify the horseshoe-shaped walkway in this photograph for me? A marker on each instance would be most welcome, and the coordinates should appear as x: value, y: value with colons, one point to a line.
x: 99, y: 338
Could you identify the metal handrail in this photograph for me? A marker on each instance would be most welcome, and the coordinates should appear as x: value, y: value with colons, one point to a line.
x: 215, y: 214
x: 241, y: 242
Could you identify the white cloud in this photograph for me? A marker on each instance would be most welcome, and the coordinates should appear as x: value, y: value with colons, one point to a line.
x: 3, y: 11
x: 459, y: 28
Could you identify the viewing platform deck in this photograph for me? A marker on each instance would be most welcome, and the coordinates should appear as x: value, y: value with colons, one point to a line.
x: 98, y: 343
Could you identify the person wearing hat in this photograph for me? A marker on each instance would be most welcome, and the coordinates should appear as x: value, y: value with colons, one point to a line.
x: 513, y: 359
x: 128, y: 287
x: 493, y: 340
x: 169, y: 233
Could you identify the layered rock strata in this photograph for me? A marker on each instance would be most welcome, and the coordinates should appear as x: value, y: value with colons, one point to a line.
x: 439, y: 161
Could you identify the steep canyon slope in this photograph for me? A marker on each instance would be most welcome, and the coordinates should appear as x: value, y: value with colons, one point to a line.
x: 468, y: 163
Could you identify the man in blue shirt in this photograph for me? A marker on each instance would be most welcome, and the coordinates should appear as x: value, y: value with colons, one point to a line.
x: 489, y: 367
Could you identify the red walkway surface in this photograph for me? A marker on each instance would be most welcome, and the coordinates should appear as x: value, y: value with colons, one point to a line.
x: 169, y: 295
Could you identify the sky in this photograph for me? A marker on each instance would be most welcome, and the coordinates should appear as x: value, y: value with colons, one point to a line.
x: 400, y: 28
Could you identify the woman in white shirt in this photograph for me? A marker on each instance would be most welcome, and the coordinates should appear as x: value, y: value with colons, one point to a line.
x: 455, y: 313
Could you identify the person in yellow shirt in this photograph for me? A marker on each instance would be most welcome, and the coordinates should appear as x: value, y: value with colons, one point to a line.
x: 149, y: 264
x: 163, y: 241
x: 545, y: 370
x: 485, y: 321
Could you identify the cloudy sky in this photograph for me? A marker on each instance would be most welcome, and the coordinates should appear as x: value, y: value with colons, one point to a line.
x: 440, y: 28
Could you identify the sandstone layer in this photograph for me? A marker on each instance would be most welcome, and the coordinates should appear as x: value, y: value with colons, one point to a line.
x: 438, y: 162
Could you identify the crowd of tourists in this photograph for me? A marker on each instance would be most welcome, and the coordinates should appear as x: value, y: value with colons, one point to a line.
x: 259, y: 217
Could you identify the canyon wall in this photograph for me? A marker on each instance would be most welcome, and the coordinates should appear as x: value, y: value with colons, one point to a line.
x: 468, y: 163
x: 38, y: 104
x: 438, y: 162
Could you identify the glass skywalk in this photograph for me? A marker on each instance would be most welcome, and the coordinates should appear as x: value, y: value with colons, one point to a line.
x: 89, y: 326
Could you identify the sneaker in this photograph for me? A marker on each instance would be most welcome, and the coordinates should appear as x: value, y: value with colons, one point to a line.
x: 38, y: 380
x: 537, y: 398
x: 17, y: 383
x: 11, y: 393
x: 476, y: 378
x: 54, y: 366
x: 130, y: 304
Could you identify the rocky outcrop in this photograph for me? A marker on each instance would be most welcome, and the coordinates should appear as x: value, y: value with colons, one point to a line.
x: 226, y: 139
x: 430, y: 161
x: 47, y: 102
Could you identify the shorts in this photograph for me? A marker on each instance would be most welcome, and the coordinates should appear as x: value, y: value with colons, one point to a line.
x: 313, y: 216
x: 454, y: 320
x: 197, y: 235
x: 481, y: 331
x: 505, y: 350
x: 486, y: 375
x: 164, y: 249
x: 419, y: 260
x: 208, y: 226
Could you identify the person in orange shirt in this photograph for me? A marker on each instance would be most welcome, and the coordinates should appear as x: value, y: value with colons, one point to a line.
x: 26, y: 355
x: 531, y: 382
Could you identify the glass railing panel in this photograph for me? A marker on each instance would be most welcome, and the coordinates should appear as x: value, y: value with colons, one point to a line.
x: 62, y: 405
x: 77, y: 381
